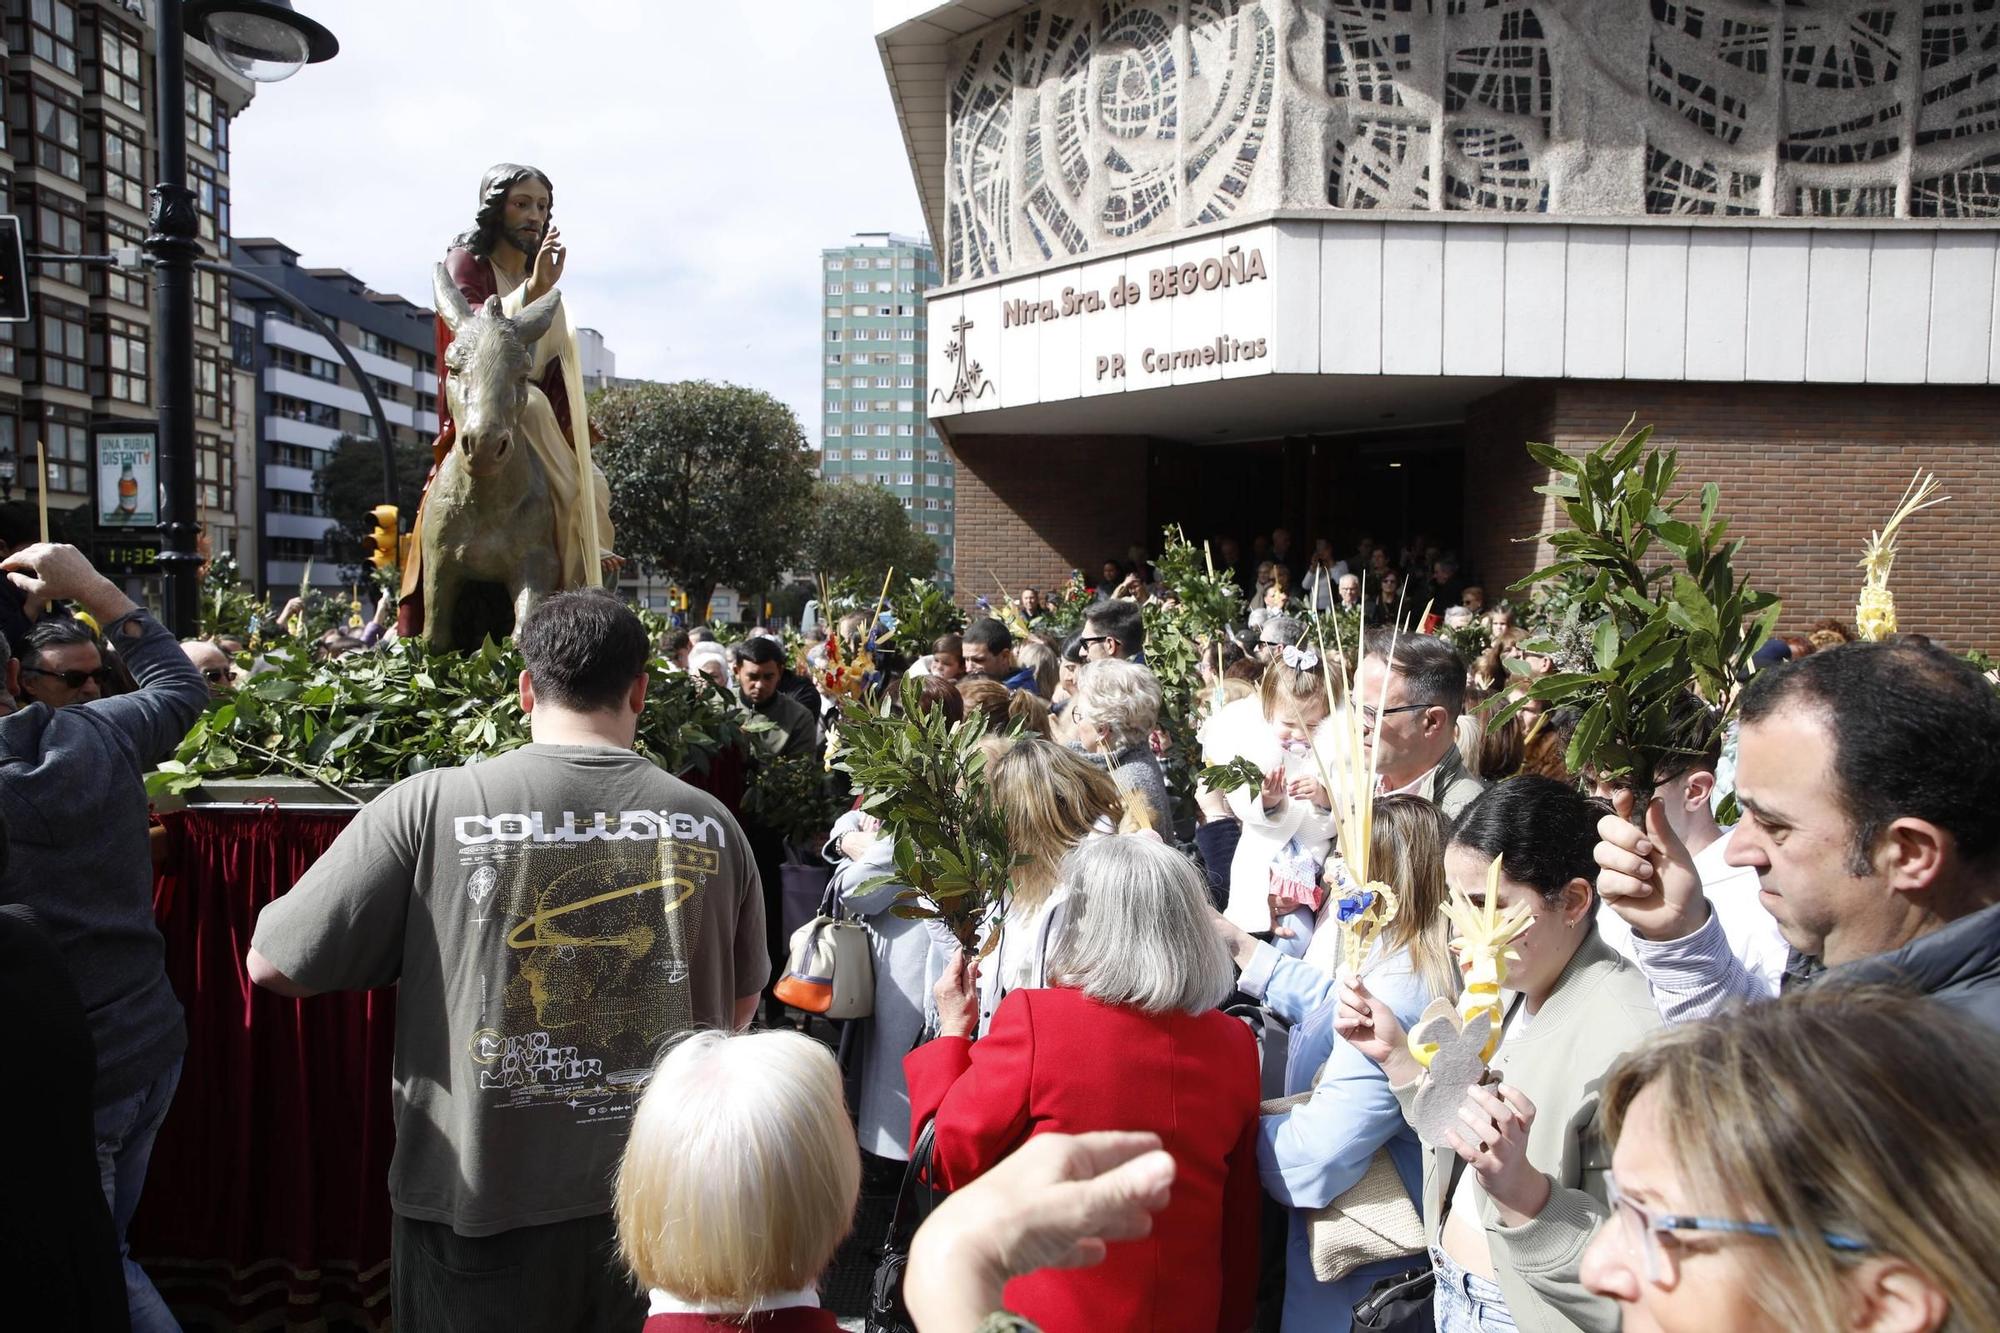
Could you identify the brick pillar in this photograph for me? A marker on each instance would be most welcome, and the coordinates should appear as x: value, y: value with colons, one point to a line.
x: 1031, y: 508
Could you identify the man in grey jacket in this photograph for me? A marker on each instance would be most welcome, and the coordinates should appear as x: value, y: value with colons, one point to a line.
x: 73, y: 797
x: 1869, y: 775
x: 1410, y: 689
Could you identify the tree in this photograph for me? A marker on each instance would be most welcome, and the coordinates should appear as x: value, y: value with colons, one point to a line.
x: 349, y: 484
x: 861, y: 530
x: 710, y: 483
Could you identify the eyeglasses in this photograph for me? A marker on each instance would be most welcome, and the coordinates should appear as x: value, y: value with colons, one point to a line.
x: 1644, y: 1229
x: 1373, y: 717
x: 1089, y: 640
x: 215, y: 675
x: 74, y: 679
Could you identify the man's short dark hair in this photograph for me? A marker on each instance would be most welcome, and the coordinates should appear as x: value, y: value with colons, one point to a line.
x: 701, y: 634
x: 1120, y: 620
x: 1431, y: 668
x: 759, y: 650
x: 950, y: 645
x: 55, y: 632
x: 583, y: 649
x: 20, y: 524
x: 1916, y: 732
x: 989, y: 634
x: 675, y: 642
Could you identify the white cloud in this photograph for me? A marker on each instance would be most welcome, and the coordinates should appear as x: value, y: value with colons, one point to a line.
x: 702, y: 156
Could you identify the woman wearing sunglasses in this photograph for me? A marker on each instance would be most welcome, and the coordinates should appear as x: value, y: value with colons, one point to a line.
x: 1825, y: 1163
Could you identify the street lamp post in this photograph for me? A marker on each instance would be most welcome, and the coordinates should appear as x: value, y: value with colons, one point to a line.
x: 262, y: 40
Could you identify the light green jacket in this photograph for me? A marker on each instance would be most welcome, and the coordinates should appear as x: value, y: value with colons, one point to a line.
x: 1600, y: 1008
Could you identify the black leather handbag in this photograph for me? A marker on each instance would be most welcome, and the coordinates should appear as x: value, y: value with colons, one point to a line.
x: 1399, y: 1303
x: 914, y: 1201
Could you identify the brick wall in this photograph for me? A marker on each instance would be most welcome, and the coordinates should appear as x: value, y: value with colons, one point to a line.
x: 1805, y: 474
x: 1031, y: 508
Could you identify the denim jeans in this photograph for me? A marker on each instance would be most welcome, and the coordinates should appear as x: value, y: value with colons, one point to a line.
x: 1466, y: 1303
x: 125, y: 1133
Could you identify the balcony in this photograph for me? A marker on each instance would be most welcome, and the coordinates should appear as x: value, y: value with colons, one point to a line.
x: 312, y: 527
x: 284, y: 430
x: 294, y: 385
x: 280, y: 334
x: 278, y: 477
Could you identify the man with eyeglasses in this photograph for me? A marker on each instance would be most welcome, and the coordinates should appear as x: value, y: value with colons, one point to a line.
x: 61, y: 665
x: 73, y: 799
x: 1410, y: 689
x: 1276, y: 634
x: 213, y: 664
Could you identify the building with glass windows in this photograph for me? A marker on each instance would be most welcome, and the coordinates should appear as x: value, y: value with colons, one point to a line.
x: 75, y: 161
x: 307, y: 401
x: 1327, y: 264
x: 873, y: 420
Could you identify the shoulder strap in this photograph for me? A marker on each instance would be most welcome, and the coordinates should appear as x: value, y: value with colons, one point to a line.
x: 913, y: 1180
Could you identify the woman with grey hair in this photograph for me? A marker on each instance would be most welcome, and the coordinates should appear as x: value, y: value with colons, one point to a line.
x: 1137, y: 973
x: 1117, y: 707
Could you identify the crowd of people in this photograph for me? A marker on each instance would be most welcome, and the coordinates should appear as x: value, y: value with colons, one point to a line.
x: 1743, y: 1077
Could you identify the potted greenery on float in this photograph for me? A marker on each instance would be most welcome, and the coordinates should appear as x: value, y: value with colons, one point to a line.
x: 1660, y: 612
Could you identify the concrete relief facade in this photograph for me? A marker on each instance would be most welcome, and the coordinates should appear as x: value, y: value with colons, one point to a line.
x: 1079, y: 125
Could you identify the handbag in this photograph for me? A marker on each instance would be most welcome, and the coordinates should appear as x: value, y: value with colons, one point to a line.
x: 830, y: 970
x: 886, y: 1311
x: 1372, y: 1219
x: 1400, y: 1303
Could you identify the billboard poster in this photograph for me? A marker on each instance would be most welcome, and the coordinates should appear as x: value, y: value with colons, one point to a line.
x: 128, y: 479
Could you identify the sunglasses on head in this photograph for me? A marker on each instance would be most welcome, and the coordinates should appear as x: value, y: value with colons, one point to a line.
x: 74, y: 679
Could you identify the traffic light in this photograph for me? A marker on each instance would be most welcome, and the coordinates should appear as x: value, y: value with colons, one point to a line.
x: 13, y: 272
x: 381, y: 545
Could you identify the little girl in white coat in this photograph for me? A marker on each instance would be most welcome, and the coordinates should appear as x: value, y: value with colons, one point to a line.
x: 1288, y: 823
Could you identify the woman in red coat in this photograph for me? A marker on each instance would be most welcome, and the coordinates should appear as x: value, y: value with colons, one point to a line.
x: 1128, y: 1037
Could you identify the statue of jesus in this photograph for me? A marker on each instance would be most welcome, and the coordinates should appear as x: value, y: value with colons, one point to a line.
x: 514, y: 251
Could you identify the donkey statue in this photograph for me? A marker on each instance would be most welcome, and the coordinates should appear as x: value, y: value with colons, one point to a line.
x: 487, y: 517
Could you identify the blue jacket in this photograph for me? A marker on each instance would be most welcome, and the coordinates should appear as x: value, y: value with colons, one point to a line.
x: 1317, y: 1151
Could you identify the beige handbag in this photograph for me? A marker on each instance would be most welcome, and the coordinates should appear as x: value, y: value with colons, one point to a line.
x: 830, y: 970
x: 1373, y: 1220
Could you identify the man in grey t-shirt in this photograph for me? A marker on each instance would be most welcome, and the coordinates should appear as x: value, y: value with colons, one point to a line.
x: 552, y: 916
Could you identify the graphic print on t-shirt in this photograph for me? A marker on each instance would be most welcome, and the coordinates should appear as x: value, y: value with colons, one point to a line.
x: 597, y: 915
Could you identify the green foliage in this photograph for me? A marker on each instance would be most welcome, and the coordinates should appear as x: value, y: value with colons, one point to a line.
x: 1238, y: 774
x: 1335, y: 631
x: 1469, y: 640
x: 795, y: 796
x: 710, y: 483
x: 383, y: 715
x: 1063, y: 607
x: 860, y: 529
x: 227, y: 606
x: 1662, y: 610
x: 922, y: 777
x: 924, y: 613
x: 349, y: 484
x: 1196, y: 608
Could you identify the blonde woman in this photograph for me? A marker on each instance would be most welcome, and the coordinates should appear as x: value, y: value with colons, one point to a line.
x: 738, y: 1182
x: 1823, y: 1163
x: 1314, y: 1153
x: 1051, y: 799
x: 1288, y: 820
x: 1116, y: 709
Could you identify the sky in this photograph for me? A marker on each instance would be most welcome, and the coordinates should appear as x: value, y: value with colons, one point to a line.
x: 702, y: 155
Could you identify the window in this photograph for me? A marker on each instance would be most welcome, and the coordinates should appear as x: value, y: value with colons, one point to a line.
x: 201, y: 110
x: 882, y: 405
x: 931, y: 529
x: 857, y: 358
x: 833, y: 358
x: 857, y: 286
x: 833, y: 455
x: 859, y: 381
x: 56, y: 225
x: 833, y: 431
x: 881, y: 382
x: 65, y: 432
x: 884, y: 311
x: 292, y: 455
x: 122, y: 164
x: 906, y: 359
x: 52, y: 29
x: 55, y: 129
x: 930, y: 504
x: 907, y: 335
x: 930, y: 478
x: 860, y: 335
x: 293, y: 502
x: 377, y: 344
x: 120, y: 361
x: 882, y: 286
x: 947, y: 506
x: 906, y: 287
x: 902, y: 455
x: 834, y: 405
x: 834, y: 312
x: 121, y: 57
x: 215, y: 472
x: 214, y: 395
x: 906, y: 429
x: 834, y: 289
x: 906, y: 381
x: 61, y: 344
x: 303, y: 364
x: 882, y: 359
x: 882, y: 429
x: 299, y: 409
x: 9, y: 361
x: 110, y: 233
x: 932, y: 456
x: 906, y: 404
x: 210, y: 301
x: 948, y: 481
x: 885, y: 262
x: 904, y: 479
x: 881, y: 479
x: 835, y: 265
x: 833, y: 381
x: 833, y: 335
x: 881, y: 455
x: 294, y: 549
x: 212, y: 204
